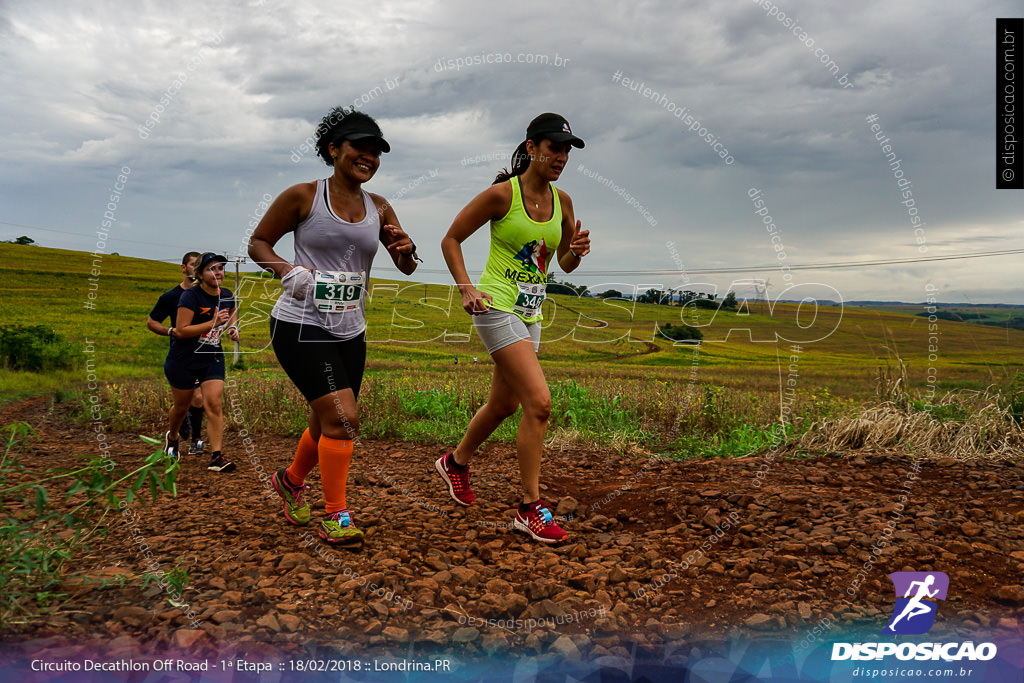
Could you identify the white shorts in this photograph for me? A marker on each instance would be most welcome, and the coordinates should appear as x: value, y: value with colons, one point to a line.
x: 498, y: 329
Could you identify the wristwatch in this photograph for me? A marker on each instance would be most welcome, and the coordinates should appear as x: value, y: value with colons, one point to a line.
x: 413, y: 252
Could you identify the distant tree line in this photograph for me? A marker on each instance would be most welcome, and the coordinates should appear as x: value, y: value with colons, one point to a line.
x: 685, y: 297
x: 555, y: 287
x: 1013, y: 322
x: 680, y: 297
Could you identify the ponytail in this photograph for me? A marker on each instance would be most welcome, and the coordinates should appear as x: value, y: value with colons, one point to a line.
x: 520, y: 162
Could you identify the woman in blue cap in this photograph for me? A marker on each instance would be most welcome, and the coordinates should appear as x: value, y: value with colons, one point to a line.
x: 205, y: 312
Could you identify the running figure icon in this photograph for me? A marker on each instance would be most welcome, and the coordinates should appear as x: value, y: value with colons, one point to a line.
x: 915, y: 608
x: 918, y: 593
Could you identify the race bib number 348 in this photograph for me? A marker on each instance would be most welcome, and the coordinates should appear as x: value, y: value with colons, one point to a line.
x: 529, y: 299
x: 336, y: 291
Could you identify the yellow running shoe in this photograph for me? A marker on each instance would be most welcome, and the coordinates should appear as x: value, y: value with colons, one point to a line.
x: 337, y: 528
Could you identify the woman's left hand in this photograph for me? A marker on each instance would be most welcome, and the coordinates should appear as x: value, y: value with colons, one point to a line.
x: 580, y: 243
x: 233, y: 333
x: 401, y: 242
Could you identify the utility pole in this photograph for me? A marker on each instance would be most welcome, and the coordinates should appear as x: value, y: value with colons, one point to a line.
x: 238, y: 302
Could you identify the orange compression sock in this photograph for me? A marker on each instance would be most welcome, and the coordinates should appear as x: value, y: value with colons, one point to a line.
x: 307, y: 455
x: 335, y: 456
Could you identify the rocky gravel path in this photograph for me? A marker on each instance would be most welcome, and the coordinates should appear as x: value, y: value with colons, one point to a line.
x: 663, y: 556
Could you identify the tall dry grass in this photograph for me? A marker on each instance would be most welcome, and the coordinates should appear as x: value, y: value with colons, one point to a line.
x: 961, y: 424
x: 627, y: 412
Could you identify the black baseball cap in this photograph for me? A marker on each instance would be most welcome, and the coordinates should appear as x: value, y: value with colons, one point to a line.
x: 361, y: 129
x: 208, y: 258
x: 554, y: 127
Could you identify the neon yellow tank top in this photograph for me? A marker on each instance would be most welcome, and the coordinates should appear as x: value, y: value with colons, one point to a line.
x: 522, y: 249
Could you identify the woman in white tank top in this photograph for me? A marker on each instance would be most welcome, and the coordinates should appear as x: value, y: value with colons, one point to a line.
x: 317, y: 326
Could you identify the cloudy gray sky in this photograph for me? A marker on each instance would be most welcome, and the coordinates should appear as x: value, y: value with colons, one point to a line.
x: 783, y: 88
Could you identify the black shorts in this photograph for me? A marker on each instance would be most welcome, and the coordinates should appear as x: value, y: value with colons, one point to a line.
x: 316, y: 361
x: 185, y: 376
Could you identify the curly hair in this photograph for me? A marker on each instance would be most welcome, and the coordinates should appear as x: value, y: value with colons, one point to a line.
x: 327, y: 131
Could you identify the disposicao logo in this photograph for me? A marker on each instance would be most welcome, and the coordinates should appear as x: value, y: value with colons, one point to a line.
x: 917, y: 594
x: 914, y: 612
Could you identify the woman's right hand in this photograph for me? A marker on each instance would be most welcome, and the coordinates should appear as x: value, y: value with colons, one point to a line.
x: 474, y: 301
x: 297, y: 282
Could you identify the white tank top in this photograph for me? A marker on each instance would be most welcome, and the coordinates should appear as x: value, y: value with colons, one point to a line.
x: 324, y: 242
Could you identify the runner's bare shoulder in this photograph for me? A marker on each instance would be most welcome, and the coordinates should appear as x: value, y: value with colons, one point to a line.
x: 294, y: 204
x: 498, y: 198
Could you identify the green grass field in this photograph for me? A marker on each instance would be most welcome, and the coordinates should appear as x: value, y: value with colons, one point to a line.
x: 1001, y: 315
x: 593, y: 350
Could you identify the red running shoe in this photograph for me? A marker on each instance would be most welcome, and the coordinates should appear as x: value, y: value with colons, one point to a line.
x: 458, y: 482
x: 539, y: 523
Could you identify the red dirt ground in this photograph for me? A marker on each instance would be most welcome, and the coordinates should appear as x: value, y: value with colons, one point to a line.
x: 257, y: 584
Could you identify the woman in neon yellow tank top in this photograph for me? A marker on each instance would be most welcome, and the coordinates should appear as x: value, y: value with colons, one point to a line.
x: 532, y: 225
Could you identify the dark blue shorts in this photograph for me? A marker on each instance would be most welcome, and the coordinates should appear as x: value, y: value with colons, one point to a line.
x: 185, y: 376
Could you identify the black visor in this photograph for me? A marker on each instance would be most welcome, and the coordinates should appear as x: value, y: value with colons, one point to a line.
x: 553, y: 127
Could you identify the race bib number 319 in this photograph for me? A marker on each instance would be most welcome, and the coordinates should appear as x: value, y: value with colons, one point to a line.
x: 336, y: 291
